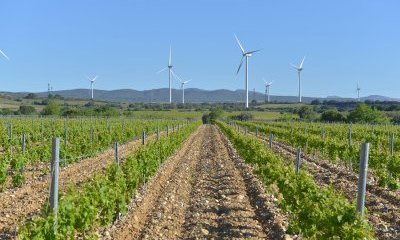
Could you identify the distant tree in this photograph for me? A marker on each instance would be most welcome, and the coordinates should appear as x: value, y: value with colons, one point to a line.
x: 26, y: 110
x: 244, y: 116
x: 332, y: 115
x: 206, y: 118
x: 365, y: 114
x: 52, y: 108
x: 316, y: 102
x: 31, y: 96
x: 216, y: 113
x: 306, y: 112
x: 6, y: 111
x: 395, y: 119
x: 106, y: 111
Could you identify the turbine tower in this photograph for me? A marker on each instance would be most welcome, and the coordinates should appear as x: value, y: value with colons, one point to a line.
x: 245, y: 55
x: 92, y: 80
x: 170, y: 72
x: 299, y: 69
x: 267, y: 87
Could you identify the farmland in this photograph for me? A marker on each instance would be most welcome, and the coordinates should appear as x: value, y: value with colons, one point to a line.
x: 176, y: 178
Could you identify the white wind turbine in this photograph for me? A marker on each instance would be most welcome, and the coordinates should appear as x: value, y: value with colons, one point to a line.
x: 92, y: 80
x: 299, y: 69
x: 267, y: 87
x: 170, y: 72
x: 358, y: 92
x: 182, y: 85
x: 245, y: 55
x: 183, y: 89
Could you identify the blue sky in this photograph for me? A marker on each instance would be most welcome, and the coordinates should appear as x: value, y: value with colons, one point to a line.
x: 127, y: 42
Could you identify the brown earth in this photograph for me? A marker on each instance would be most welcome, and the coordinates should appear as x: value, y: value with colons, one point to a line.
x: 203, y: 191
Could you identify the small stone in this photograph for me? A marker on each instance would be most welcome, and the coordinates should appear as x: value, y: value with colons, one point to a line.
x: 288, y: 237
x: 240, y: 197
x: 204, y: 231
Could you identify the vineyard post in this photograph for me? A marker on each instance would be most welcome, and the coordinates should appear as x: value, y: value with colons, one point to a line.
x: 55, y: 161
x: 41, y: 127
x: 23, y: 144
x: 298, y: 160
x: 65, y: 131
x: 323, y: 134
x: 256, y: 131
x: 391, y: 153
x: 362, y: 179
x: 91, y: 132
x: 143, y: 137
x: 245, y: 130
x: 167, y: 131
x: 158, y: 133
x: 117, y: 153
x: 349, y: 135
x: 10, y: 131
x: 270, y: 140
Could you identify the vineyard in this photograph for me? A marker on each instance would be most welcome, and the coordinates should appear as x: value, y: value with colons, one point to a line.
x: 131, y: 178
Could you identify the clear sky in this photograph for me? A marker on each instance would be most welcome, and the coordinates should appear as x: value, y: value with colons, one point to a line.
x: 127, y: 42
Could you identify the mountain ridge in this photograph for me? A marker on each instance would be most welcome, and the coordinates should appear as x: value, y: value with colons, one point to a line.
x: 192, y: 95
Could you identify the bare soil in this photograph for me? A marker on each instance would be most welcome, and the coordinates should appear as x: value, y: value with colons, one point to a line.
x: 205, y: 191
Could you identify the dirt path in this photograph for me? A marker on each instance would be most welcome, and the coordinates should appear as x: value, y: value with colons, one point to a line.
x: 383, y: 205
x: 19, y: 204
x: 204, y: 191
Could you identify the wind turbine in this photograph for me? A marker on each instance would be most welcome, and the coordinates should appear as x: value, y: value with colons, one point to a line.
x: 4, y: 55
x: 358, y: 92
x: 245, y: 55
x: 92, y: 80
x: 170, y: 72
x: 183, y: 89
x: 299, y: 69
x: 267, y: 87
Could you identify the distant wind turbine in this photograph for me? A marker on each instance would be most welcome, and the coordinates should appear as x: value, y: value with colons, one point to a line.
x: 182, y: 85
x: 92, y: 80
x: 267, y: 87
x: 170, y: 72
x: 245, y: 55
x: 299, y: 69
x: 183, y: 90
x: 4, y: 55
x: 358, y: 92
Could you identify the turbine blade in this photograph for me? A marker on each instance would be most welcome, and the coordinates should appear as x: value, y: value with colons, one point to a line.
x: 187, y: 81
x: 162, y: 70
x: 240, y: 65
x: 240, y: 45
x: 294, y: 66
x: 2, y: 53
x: 176, y: 76
x: 94, y: 79
x: 302, y: 61
x: 254, y: 51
